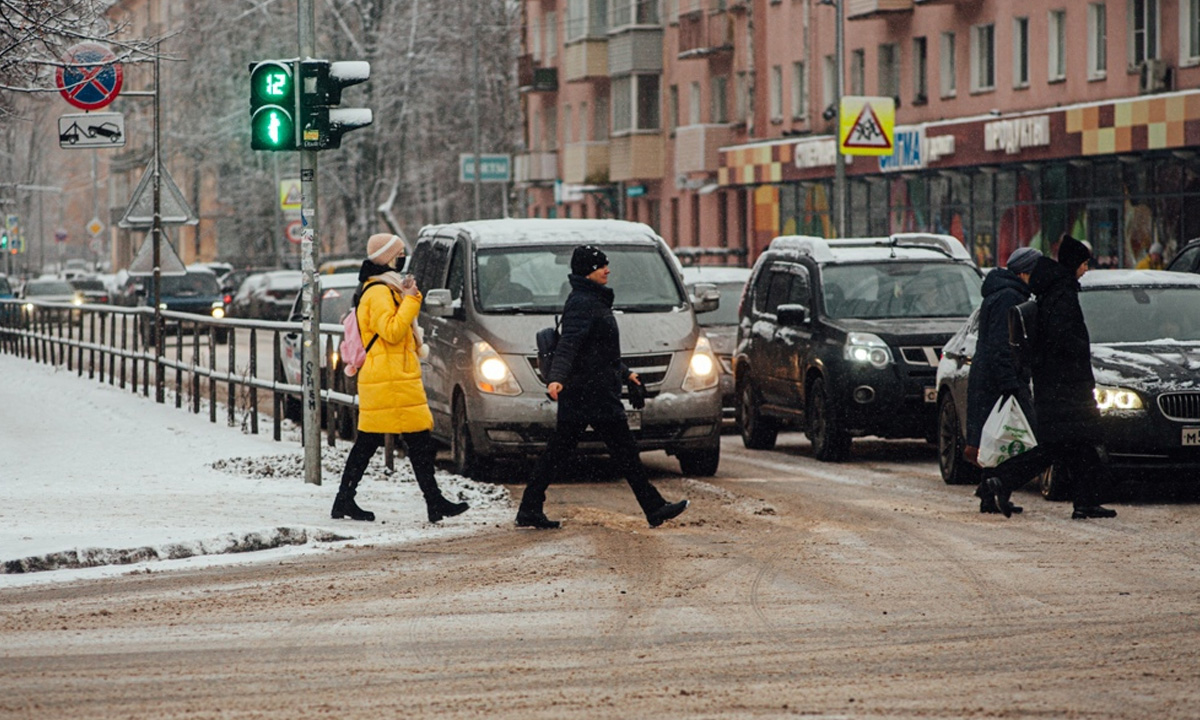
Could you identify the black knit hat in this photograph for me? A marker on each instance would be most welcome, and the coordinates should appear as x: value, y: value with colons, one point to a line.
x: 587, y: 259
x: 1072, y: 253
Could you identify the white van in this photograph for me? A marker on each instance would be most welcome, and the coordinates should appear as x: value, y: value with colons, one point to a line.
x: 491, y: 285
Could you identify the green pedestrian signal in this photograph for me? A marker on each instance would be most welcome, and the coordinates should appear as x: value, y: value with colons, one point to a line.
x: 4, y: 240
x: 274, y: 105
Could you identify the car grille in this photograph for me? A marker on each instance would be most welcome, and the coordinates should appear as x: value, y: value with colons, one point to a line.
x: 1180, y: 406
x: 651, y: 369
x: 926, y: 356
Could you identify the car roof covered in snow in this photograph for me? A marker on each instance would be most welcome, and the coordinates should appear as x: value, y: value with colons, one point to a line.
x: 523, y: 231
x: 1137, y: 278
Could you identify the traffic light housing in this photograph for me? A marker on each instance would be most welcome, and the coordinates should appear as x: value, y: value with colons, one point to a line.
x: 320, y: 90
x: 274, y: 105
x: 3, y: 240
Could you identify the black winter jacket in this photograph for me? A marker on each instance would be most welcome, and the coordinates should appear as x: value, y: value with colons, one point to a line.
x: 1063, y: 384
x: 994, y: 371
x: 587, y: 360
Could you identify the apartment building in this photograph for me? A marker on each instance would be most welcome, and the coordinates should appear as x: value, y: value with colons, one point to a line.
x: 1016, y: 120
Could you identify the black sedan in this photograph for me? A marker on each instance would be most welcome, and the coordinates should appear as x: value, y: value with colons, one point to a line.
x: 1145, y: 332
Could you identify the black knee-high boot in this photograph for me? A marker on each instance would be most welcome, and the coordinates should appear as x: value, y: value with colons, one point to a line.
x: 364, y: 448
x: 421, y: 453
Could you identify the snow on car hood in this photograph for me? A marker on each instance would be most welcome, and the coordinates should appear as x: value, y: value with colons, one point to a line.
x: 919, y: 330
x: 1159, y: 365
x: 640, y: 332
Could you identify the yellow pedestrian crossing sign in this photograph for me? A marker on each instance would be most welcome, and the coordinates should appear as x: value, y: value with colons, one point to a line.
x: 867, y: 125
x: 289, y: 194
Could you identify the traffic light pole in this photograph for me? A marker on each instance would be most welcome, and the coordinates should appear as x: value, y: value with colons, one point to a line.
x: 309, y: 249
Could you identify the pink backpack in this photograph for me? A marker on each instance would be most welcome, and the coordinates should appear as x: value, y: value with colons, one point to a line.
x: 352, y: 351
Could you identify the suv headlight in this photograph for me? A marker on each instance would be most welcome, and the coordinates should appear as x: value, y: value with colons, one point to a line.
x: 867, y: 348
x: 1116, y: 398
x: 492, y: 374
x: 702, y: 368
x: 218, y: 309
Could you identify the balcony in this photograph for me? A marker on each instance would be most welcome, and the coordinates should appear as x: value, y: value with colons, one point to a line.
x: 705, y: 35
x: 585, y: 60
x: 636, y: 157
x: 863, y: 9
x: 636, y: 50
x: 586, y: 163
x: 696, y: 147
x: 533, y: 78
x: 536, y: 167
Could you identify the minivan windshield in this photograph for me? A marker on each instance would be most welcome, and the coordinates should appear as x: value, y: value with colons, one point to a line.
x: 1141, y: 314
x: 900, y: 290
x: 533, y: 279
x: 190, y: 285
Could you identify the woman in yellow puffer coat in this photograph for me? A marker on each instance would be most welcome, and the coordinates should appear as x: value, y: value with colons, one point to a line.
x: 391, y: 398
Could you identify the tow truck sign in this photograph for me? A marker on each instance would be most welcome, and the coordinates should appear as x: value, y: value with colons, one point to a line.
x: 91, y: 130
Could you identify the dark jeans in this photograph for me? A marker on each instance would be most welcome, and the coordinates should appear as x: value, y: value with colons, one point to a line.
x: 621, y: 447
x: 421, y: 453
x: 1080, y: 459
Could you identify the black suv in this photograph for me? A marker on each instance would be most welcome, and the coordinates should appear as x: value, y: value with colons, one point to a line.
x: 842, y: 337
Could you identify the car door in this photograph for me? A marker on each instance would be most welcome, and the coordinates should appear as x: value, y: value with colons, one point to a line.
x: 773, y: 359
x: 430, y: 265
x: 794, y: 339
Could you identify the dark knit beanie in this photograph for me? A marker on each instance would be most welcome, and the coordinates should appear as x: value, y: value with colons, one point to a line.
x: 1072, y: 253
x: 587, y: 259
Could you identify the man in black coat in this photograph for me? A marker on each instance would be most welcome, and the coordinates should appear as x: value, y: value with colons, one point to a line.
x: 994, y: 371
x: 585, y: 379
x: 1067, y: 428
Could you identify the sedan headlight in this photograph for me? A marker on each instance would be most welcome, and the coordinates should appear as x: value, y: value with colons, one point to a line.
x: 77, y: 299
x: 1117, y: 398
x: 702, y: 368
x: 218, y: 309
x: 492, y: 374
x: 867, y: 348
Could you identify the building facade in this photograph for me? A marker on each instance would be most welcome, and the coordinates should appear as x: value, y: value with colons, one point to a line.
x: 1015, y: 121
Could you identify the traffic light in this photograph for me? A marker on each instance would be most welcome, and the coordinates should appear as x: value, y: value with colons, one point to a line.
x: 3, y: 239
x: 274, y: 105
x: 321, y: 85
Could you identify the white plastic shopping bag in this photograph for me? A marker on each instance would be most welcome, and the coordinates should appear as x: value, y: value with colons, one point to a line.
x: 1005, y: 434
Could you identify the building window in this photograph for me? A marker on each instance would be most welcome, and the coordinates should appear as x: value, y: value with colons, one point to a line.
x: 983, y: 57
x: 694, y: 104
x: 776, y: 90
x: 551, y: 43
x: 743, y: 97
x: 1143, y: 31
x: 920, y: 71
x: 673, y: 107
x: 633, y: 12
x: 1190, y: 22
x: 568, y: 131
x: 635, y: 103
x: 948, y: 67
x: 889, y: 70
x: 600, y: 119
x: 535, y: 39
x: 551, y: 132
x: 829, y: 81
x: 800, y: 90
x: 1056, y: 64
x: 1098, y: 40
x: 720, y: 99
x: 586, y: 18
x: 858, y: 71
x: 1021, y: 52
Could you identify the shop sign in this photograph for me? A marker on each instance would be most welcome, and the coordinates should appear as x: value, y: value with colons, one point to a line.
x: 938, y: 147
x: 815, y: 153
x: 1013, y: 136
x: 907, y: 152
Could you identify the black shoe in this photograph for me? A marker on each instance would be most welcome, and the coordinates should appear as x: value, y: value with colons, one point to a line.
x: 666, y: 512
x: 345, y: 506
x: 999, y: 496
x: 1083, y: 512
x: 443, y: 508
x: 536, y: 520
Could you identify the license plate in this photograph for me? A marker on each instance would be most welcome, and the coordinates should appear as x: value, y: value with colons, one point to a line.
x: 635, y: 419
x: 930, y: 394
x: 1191, y: 436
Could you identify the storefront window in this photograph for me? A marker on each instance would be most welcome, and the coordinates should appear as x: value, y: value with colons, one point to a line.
x: 789, y: 210
x: 858, y: 221
x: 880, y: 207
x: 983, y: 234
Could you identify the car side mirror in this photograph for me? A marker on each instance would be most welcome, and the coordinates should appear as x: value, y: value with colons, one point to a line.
x: 705, y: 297
x: 438, y: 303
x: 793, y: 314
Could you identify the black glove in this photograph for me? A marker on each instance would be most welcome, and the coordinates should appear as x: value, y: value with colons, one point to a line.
x: 637, y: 394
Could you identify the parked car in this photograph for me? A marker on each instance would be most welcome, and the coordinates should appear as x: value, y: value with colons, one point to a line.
x: 1188, y: 259
x: 52, y: 290
x: 720, y: 325
x: 195, y: 292
x: 841, y: 337
x: 1145, y: 333
x: 348, y: 265
x: 233, y: 280
x: 92, y: 289
x: 269, y: 295
x: 490, y: 286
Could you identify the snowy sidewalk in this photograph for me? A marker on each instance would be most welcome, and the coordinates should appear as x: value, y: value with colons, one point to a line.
x: 95, y: 477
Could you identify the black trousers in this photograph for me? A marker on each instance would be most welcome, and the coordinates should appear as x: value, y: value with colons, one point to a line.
x: 422, y: 452
x: 621, y: 447
x: 1080, y: 458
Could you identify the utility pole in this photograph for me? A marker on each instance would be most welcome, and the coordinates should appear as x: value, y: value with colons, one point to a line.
x: 839, y: 178
x: 156, y: 231
x: 310, y: 300
x: 475, y: 103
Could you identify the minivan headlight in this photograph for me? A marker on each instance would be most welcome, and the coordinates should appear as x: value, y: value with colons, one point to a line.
x: 867, y: 348
x: 492, y: 374
x: 1116, y: 398
x: 702, y: 371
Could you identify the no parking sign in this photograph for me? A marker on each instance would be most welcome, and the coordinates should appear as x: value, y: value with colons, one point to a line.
x: 91, y: 77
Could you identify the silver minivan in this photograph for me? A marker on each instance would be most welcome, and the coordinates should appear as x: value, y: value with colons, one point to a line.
x: 490, y: 285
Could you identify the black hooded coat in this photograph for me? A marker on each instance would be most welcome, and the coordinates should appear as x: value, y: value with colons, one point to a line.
x: 994, y: 372
x: 1063, y: 383
x: 587, y: 360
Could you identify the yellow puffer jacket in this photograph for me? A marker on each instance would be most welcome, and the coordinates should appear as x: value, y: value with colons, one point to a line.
x: 391, y: 398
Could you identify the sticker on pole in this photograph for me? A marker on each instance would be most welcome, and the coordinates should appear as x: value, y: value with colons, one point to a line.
x: 91, y: 77
x: 867, y: 125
